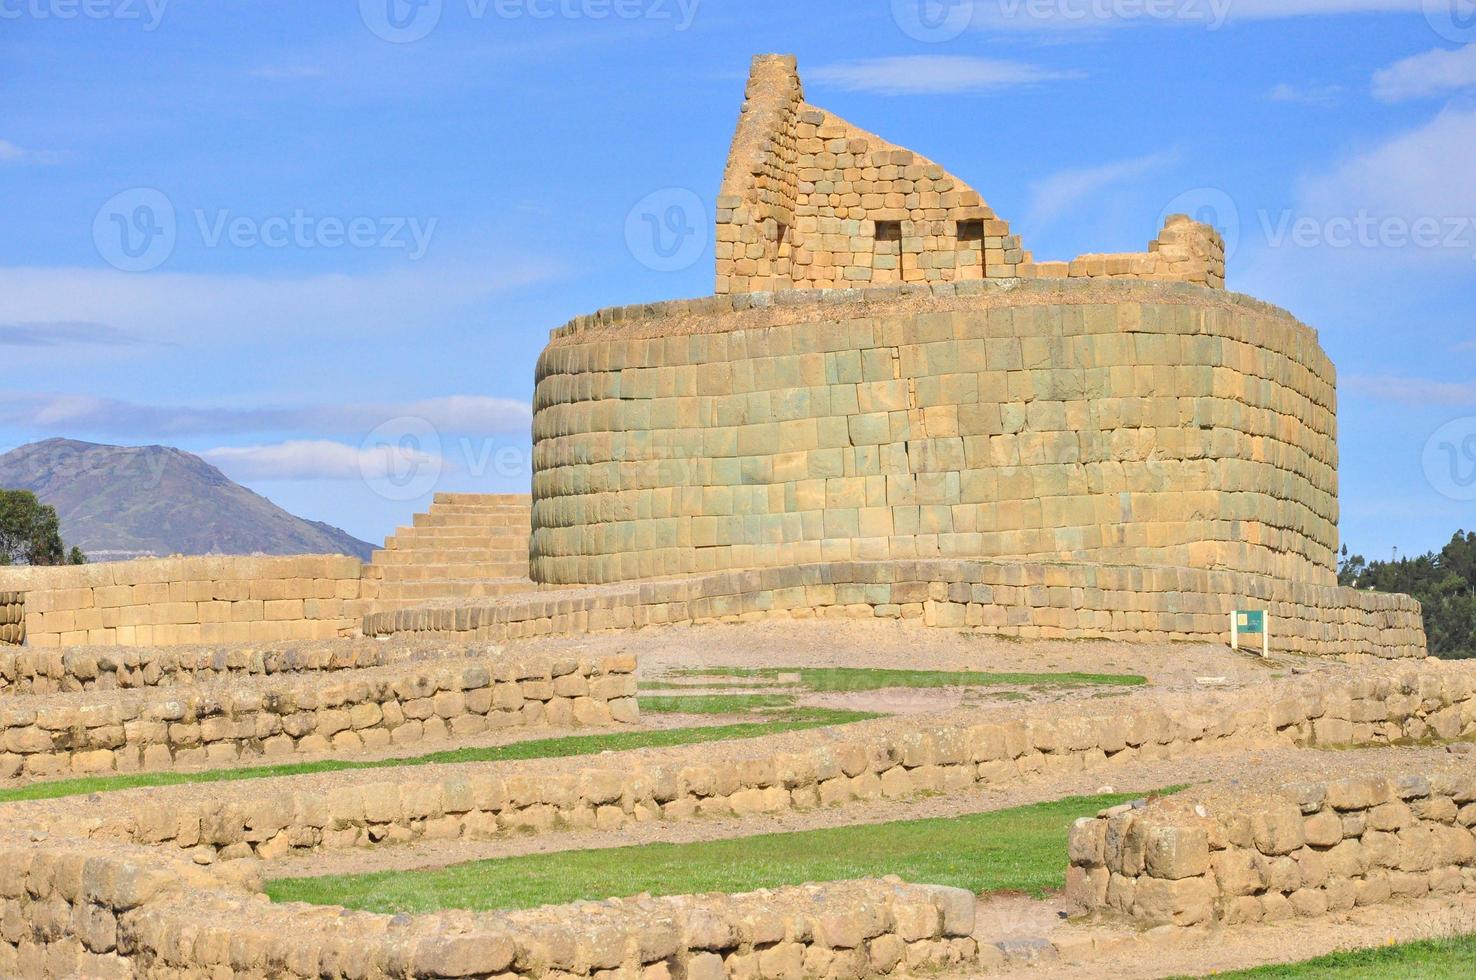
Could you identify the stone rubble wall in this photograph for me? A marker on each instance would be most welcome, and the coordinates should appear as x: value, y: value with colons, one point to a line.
x: 275, y: 719
x: 164, y: 601
x: 1122, y: 422
x: 71, y: 908
x: 12, y: 618
x: 1305, y: 850
x: 52, y: 670
x: 804, y: 191
x: 887, y: 758
x: 1034, y: 600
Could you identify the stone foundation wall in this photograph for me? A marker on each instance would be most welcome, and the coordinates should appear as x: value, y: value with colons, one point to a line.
x: 72, y: 909
x: 188, y: 600
x: 886, y: 758
x: 1027, y: 599
x: 51, y: 670
x: 1109, y: 421
x: 149, y: 730
x: 12, y: 618
x: 1305, y: 850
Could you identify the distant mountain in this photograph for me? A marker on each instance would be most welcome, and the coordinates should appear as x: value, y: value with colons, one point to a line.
x: 118, y: 502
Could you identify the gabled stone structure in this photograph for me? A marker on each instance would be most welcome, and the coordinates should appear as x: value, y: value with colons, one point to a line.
x: 810, y: 201
x: 872, y: 385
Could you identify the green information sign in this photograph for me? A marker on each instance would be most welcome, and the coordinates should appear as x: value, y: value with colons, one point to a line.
x: 1253, y: 621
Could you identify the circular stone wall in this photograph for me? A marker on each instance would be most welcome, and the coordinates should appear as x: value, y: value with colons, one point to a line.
x: 1126, y: 422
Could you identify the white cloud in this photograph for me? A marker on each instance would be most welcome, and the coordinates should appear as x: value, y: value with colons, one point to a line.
x: 1316, y: 95
x: 1422, y: 75
x: 11, y: 153
x: 1053, y: 196
x: 1414, y: 391
x: 1421, y: 173
x: 932, y: 75
x: 318, y: 459
x: 64, y: 335
x: 471, y: 414
x: 198, y: 308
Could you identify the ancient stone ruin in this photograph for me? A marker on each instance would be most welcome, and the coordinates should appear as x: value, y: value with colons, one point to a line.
x: 885, y: 375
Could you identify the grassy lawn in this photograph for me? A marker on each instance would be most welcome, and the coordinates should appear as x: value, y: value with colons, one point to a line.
x: 1018, y: 850
x: 871, y: 679
x: 1435, y: 959
x: 713, y: 704
x: 547, y: 748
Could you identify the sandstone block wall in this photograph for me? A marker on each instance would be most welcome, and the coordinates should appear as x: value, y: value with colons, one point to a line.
x: 1302, y: 851
x: 887, y: 758
x: 1029, y: 599
x: 71, y: 908
x: 188, y: 600
x: 1118, y: 422
x: 276, y: 719
x: 12, y: 618
x: 811, y: 201
x: 50, y: 670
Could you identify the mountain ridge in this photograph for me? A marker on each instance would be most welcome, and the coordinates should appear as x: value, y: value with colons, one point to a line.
x: 117, y: 502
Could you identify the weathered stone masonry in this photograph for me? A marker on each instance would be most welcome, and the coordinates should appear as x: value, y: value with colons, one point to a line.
x: 12, y: 618
x: 810, y: 201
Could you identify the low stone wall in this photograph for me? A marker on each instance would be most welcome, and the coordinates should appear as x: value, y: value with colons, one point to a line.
x: 50, y: 670
x: 73, y: 909
x: 1303, y: 850
x: 12, y: 618
x: 887, y: 758
x: 166, y: 601
x: 1046, y: 600
x: 130, y: 731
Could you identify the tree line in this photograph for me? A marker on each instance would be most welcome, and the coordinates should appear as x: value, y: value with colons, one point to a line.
x: 30, y: 533
x: 1444, y: 582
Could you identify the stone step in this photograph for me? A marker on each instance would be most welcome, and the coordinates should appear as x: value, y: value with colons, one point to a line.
x: 417, y: 539
x: 438, y: 556
x: 474, y: 499
x: 453, y: 570
x: 453, y: 589
x: 434, y: 519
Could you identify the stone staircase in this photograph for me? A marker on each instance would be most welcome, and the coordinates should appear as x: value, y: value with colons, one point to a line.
x: 468, y: 546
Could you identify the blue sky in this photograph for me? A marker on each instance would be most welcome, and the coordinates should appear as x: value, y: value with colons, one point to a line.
x: 344, y: 217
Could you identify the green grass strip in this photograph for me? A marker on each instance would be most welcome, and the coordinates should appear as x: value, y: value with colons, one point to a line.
x: 548, y: 748
x: 1016, y: 850
x: 713, y: 704
x: 1433, y: 959
x: 831, y: 679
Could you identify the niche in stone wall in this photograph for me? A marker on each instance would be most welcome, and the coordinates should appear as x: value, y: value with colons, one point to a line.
x: 971, y: 239
x: 887, y: 260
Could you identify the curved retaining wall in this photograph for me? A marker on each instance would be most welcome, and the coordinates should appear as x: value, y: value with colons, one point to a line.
x: 1122, y: 422
x: 1033, y: 600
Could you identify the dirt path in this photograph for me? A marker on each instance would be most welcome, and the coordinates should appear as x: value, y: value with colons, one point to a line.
x: 1094, y: 953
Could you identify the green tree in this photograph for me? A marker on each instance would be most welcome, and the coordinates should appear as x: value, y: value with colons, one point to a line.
x: 1444, y: 582
x: 29, y: 531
